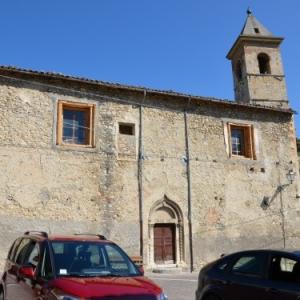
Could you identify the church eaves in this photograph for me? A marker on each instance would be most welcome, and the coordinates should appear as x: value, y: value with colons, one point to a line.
x: 28, y: 75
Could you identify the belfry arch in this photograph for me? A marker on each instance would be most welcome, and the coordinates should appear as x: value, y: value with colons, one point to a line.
x: 166, y: 214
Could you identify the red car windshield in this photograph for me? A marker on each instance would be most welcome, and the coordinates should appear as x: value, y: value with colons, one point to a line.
x: 88, y: 259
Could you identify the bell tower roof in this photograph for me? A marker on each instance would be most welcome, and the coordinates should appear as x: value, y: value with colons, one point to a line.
x: 257, y: 68
x: 254, y: 27
x: 253, y: 31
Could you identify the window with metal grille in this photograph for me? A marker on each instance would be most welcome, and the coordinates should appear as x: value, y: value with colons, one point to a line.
x: 75, y: 124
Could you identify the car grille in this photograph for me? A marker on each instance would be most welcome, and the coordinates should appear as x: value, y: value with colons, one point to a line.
x: 129, y: 297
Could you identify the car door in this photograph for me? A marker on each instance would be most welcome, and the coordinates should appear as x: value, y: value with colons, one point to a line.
x: 13, y: 288
x: 246, y: 277
x: 31, y: 258
x: 44, y: 275
x: 8, y: 278
x: 283, y: 278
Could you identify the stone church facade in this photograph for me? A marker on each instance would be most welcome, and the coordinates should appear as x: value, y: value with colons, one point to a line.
x: 177, y: 179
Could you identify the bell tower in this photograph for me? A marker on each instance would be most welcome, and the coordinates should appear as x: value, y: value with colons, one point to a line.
x: 257, y: 66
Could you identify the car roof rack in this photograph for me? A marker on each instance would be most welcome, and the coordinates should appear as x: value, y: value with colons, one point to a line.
x: 100, y: 236
x: 36, y: 232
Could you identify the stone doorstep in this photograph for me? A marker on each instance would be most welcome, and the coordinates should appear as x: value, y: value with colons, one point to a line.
x: 167, y: 269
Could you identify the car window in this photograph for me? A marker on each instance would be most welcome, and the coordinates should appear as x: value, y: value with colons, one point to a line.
x: 85, y: 258
x: 284, y: 269
x: 12, y: 251
x: 287, y: 265
x: 116, y: 259
x: 252, y: 264
x: 97, y: 255
x: 32, y: 255
x: 46, y: 270
x: 21, y: 251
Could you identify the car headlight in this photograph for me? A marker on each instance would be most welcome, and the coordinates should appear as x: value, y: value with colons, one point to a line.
x: 60, y: 295
x: 67, y: 297
x: 162, y: 296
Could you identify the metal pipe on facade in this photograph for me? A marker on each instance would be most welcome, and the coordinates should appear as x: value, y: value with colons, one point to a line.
x: 140, y: 176
x: 188, y: 172
x: 281, y: 188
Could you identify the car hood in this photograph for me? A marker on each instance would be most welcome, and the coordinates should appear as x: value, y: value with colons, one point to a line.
x: 108, y: 287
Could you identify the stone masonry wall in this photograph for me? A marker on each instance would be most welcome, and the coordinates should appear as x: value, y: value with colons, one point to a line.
x: 64, y: 190
x: 270, y: 87
x: 256, y: 88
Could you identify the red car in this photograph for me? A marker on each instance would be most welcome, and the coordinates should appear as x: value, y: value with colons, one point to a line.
x: 74, y: 267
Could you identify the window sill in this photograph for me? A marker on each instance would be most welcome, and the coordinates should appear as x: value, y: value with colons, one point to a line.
x: 241, y: 157
x: 75, y: 147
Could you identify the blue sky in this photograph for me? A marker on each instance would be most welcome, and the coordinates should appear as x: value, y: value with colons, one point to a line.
x: 177, y: 45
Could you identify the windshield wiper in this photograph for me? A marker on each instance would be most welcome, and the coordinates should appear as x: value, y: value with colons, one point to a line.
x: 111, y: 275
x: 104, y: 274
x: 78, y: 275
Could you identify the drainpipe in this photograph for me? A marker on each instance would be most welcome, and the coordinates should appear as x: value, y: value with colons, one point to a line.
x: 188, y: 173
x: 140, y: 176
x: 281, y: 188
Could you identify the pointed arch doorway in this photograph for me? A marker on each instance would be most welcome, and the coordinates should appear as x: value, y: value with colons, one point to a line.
x: 166, y: 244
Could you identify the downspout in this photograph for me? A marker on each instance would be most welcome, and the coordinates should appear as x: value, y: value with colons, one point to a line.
x: 188, y: 173
x: 281, y: 188
x: 140, y: 176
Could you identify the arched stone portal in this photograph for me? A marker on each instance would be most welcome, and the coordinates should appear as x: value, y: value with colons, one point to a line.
x: 166, y: 224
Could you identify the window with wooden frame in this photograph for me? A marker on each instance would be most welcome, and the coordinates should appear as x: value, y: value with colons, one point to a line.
x: 75, y: 124
x: 241, y: 140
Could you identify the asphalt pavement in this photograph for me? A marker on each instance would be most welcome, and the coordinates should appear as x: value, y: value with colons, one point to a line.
x: 177, y: 286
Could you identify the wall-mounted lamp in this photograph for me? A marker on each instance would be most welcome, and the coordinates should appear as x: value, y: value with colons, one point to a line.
x: 290, y: 176
x: 266, y: 202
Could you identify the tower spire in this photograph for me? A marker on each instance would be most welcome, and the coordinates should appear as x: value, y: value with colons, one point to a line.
x: 257, y: 68
x: 253, y: 27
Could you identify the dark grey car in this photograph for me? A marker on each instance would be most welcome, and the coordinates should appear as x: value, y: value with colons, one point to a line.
x: 252, y: 275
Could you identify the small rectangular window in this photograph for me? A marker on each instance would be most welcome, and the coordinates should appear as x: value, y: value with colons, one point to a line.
x: 75, y: 124
x: 127, y: 129
x: 126, y: 141
x: 241, y: 140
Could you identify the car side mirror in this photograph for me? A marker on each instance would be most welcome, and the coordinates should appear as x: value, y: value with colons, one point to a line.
x: 141, y: 269
x: 26, y: 272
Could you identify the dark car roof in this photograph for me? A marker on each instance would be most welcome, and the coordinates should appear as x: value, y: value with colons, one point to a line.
x: 281, y: 251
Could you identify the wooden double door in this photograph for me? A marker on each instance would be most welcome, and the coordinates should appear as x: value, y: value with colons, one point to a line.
x: 164, y: 243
